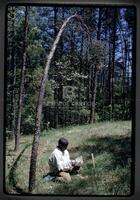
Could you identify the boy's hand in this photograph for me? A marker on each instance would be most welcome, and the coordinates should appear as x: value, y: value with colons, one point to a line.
x: 73, y: 162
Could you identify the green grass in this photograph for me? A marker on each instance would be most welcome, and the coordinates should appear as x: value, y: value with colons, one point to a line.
x: 110, y: 142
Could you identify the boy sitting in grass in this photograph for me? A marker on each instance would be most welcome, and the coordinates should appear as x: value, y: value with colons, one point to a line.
x: 61, y: 166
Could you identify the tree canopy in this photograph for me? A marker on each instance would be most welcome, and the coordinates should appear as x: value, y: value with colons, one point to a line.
x: 73, y: 65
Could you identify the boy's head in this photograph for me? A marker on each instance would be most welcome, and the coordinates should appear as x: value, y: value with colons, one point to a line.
x: 63, y: 143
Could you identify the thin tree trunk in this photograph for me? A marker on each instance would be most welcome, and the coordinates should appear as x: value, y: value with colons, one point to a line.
x: 20, y: 104
x: 56, y: 99
x: 104, y: 80
x: 124, y: 77
x: 13, y: 69
x: 93, y: 97
x: 80, y: 72
x: 109, y: 97
x: 124, y: 56
x: 35, y: 145
x: 99, y: 24
x: 94, y: 78
x: 113, y: 62
x: 133, y: 67
x: 14, y: 102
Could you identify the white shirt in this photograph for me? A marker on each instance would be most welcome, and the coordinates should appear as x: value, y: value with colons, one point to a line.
x: 59, y: 160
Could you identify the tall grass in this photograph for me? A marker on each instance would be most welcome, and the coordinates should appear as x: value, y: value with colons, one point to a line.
x: 110, y: 142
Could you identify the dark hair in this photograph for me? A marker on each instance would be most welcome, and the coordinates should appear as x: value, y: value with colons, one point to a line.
x: 63, y: 142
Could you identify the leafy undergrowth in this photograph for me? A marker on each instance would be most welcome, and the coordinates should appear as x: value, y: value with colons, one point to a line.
x: 110, y: 142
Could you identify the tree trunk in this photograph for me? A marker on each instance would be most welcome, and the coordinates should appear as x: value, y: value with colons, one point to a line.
x: 113, y: 62
x: 35, y: 145
x: 14, y: 103
x: 124, y: 77
x: 133, y: 91
x: 99, y: 24
x: 109, y: 96
x: 12, y: 65
x: 20, y: 104
x: 94, y: 77
x: 93, y: 97
x: 56, y: 71
x: 124, y: 49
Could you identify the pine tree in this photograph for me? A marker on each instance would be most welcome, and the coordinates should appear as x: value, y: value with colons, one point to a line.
x: 21, y: 94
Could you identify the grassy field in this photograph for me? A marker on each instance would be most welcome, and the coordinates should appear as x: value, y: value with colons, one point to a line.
x: 110, y: 142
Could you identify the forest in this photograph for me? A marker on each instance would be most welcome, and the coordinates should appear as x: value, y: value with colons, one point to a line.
x: 67, y: 66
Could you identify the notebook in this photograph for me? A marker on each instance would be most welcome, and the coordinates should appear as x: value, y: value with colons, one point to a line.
x: 79, y: 161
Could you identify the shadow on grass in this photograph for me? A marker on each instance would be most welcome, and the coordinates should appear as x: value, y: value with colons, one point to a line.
x: 119, y: 149
x: 75, y: 187
x: 118, y: 146
x: 12, y: 173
